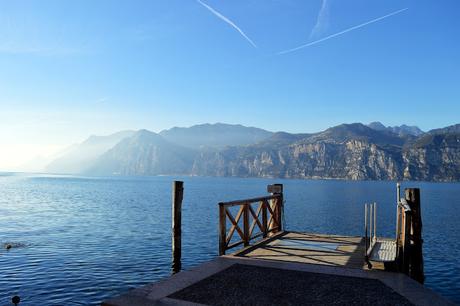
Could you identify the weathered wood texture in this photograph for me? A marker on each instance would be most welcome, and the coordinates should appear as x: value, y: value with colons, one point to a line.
x: 263, y: 214
x: 409, y: 235
x: 293, y: 247
x: 415, y: 256
x: 177, y: 196
x: 276, y: 207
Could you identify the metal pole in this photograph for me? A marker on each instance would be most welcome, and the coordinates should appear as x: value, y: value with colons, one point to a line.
x: 398, y: 201
x: 365, y: 227
x: 375, y: 221
x: 371, y: 226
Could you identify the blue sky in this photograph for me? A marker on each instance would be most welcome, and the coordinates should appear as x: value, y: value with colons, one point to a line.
x: 69, y: 69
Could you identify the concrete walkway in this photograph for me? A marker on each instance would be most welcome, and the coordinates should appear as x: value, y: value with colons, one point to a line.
x: 243, y: 281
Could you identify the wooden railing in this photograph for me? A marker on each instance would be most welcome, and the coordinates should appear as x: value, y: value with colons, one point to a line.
x: 265, y: 213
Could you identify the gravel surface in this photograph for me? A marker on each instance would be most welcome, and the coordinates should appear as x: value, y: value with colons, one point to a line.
x: 252, y: 285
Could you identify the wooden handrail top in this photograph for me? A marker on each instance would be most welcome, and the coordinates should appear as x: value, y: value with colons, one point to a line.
x: 404, y: 205
x: 249, y: 201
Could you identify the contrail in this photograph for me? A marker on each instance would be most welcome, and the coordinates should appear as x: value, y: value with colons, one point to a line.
x: 322, y: 20
x: 340, y: 33
x: 231, y: 23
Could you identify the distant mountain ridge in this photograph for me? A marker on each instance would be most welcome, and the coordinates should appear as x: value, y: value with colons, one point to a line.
x: 215, y: 135
x: 452, y: 129
x: 400, y: 130
x: 347, y: 151
x: 144, y: 153
x: 79, y: 158
x: 98, y: 154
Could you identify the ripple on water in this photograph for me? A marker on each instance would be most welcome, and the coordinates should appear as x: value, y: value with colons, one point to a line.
x: 81, y: 240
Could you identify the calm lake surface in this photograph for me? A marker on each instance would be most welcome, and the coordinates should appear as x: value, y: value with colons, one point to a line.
x: 79, y: 240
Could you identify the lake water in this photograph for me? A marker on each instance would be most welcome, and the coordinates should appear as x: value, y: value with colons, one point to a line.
x: 79, y: 240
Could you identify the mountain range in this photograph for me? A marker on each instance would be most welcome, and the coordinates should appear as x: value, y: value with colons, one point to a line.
x: 348, y: 151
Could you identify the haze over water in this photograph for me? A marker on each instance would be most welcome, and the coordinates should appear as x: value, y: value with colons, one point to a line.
x: 78, y: 240
x: 74, y: 69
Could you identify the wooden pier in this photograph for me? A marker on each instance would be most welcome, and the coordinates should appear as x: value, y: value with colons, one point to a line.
x: 277, y: 267
x: 310, y: 248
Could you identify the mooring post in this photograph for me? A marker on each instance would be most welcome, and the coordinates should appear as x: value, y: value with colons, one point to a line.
x: 415, y: 256
x: 177, y: 196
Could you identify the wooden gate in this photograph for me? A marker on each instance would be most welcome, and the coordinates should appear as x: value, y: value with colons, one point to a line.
x: 265, y: 213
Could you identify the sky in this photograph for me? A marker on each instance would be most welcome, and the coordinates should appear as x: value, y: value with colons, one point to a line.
x: 70, y: 69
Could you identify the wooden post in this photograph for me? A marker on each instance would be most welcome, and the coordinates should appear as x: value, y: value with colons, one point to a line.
x: 222, y: 229
x: 415, y: 259
x: 246, y: 224
x: 280, y: 208
x: 177, y: 196
x: 264, y: 218
x: 277, y: 208
x: 406, y: 241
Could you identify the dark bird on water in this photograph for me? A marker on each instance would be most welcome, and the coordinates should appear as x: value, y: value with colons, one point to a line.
x: 16, y: 299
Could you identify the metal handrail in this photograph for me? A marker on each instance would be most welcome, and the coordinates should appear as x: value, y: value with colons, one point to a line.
x: 370, y: 227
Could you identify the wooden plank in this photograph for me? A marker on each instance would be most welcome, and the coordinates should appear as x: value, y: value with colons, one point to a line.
x: 235, y: 244
x: 349, y: 252
x: 234, y: 224
x: 255, y: 221
x: 240, y: 202
x: 256, y: 236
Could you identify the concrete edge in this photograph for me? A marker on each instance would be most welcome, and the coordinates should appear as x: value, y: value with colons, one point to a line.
x: 157, y: 293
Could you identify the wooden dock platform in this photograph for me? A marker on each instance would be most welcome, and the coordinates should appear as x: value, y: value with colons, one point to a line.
x: 331, y: 250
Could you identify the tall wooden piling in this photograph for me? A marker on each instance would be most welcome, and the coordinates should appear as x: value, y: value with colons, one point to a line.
x: 415, y: 255
x: 177, y: 196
